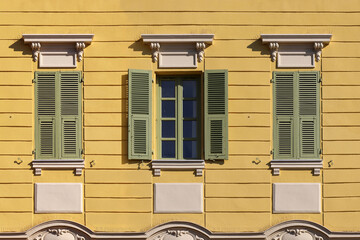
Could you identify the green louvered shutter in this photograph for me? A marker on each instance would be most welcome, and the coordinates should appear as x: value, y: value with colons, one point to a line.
x: 285, y: 115
x: 309, y: 115
x: 139, y: 117
x: 216, y: 114
x: 70, y: 111
x: 45, y: 108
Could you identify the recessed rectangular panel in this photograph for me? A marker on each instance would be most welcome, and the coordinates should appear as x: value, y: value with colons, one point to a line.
x: 58, y: 198
x: 57, y: 56
x: 296, y: 56
x: 296, y: 198
x: 177, y: 56
x: 178, y: 198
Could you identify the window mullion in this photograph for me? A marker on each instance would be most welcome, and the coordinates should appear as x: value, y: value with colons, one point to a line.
x: 179, y: 118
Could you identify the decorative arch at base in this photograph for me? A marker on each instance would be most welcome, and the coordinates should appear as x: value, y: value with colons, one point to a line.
x: 291, y: 230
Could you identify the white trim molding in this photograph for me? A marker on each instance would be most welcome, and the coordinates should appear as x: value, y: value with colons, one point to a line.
x: 79, y: 42
x: 77, y: 164
x: 291, y: 230
x: 197, y: 165
x: 315, y: 164
x: 198, y: 43
x: 275, y: 41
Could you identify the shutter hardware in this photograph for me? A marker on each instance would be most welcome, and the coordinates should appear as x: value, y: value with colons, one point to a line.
x: 320, y: 80
x: 271, y: 80
x: 33, y: 81
x: 33, y: 152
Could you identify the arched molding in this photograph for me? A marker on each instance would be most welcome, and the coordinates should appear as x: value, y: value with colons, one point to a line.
x: 178, y: 230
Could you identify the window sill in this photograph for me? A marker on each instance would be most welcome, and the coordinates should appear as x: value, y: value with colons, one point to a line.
x: 315, y: 164
x: 76, y: 164
x: 197, y: 165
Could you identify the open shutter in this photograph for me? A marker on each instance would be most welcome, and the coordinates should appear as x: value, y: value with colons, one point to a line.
x: 309, y: 114
x: 70, y: 110
x: 216, y: 114
x: 284, y: 117
x: 139, y: 116
x: 45, y: 115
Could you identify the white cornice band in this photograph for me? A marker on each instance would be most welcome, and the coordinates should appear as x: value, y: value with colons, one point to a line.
x: 79, y: 41
x: 200, y: 41
x: 275, y: 40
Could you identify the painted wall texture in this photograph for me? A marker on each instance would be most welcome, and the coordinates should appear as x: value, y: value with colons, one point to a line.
x: 238, y: 192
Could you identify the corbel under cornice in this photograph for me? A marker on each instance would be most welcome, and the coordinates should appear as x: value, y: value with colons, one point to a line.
x: 79, y: 40
x: 201, y: 41
x: 275, y: 40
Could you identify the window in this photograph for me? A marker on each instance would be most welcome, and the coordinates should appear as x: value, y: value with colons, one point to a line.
x: 179, y: 117
x: 296, y: 115
x: 58, y: 115
x: 179, y: 123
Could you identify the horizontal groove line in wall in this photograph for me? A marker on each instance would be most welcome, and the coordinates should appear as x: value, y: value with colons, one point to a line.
x: 342, y: 211
x: 258, y: 98
x: 239, y: 211
x: 236, y: 168
x: 179, y: 24
x: 120, y: 198
x: 2, y: 140
x: 105, y: 211
x: 30, y: 211
x: 232, y: 183
x: 123, y: 99
x: 244, y: 126
x: 181, y: 11
x: 237, y: 197
x: 342, y: 197
x: 12, y: 126
x: 15, y: 197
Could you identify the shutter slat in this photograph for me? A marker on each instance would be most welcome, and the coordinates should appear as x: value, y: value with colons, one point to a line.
x: 284, y: 91
x: 69, y: 137
x: 139, y: 128
x: 46, y: 128
x: 285, y: 138
x: 69, y: 93
x: 308, y: 137
x: 216, y: 114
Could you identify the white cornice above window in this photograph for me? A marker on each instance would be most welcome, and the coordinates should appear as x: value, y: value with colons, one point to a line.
x: 178, y: 50
x: 58, y: 50
x: 296, y: 50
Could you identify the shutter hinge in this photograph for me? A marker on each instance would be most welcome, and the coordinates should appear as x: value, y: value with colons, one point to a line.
x: 152, y: 80
x: 271, y: 151
x: 33, y: 152
x: 82, y: 151
x: 320, y: 80
x: 320, y: 151
x: 81, y: 80
x: 33, y: 81
x: 271, y: 80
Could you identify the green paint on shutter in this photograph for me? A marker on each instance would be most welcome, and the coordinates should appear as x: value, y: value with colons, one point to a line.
x: 139, y: 116
x: 296, y: 118
x: 216, y: 114
x: 309, y: 114
x: 45, y: 109
x: 284, y: 115
x: 70, y: 102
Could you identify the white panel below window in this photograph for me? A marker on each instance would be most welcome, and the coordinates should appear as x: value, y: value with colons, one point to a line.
x: 178, y: 198
x: 296, y: 198
x: 58, y: 198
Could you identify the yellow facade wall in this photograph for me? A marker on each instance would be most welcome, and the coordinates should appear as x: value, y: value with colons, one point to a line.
x: 118, y: 193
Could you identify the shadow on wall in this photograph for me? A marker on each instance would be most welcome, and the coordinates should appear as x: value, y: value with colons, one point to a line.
x: 140, y: 46
x: 19, y: 46
x: 257, y: 46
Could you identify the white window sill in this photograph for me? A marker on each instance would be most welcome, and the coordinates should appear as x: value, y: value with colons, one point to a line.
x: 197, y: 165
x: 315, y: 164
x: 76, y: 164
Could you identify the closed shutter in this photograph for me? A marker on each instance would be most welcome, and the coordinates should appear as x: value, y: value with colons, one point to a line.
x: 284, y: 115
x: 139, y: 115
x: 216, y: 114
x: 296, y: 118
x: 45, y: 108
x: 309, y: 114
x: 70, y: 109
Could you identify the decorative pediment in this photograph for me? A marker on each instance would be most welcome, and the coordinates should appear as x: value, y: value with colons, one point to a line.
x: 58, y: 50
x: 296, y: 50
x: 178, y: 50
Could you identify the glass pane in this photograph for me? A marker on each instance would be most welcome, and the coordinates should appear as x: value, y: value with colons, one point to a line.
x: 190, y: 149
x: 168, y: 149
x: 189, y: 89
x: 189, y: 109
x: 168, y: 108
x: 168, y: 88
x: 168, y: 129
x: 189, y: 129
